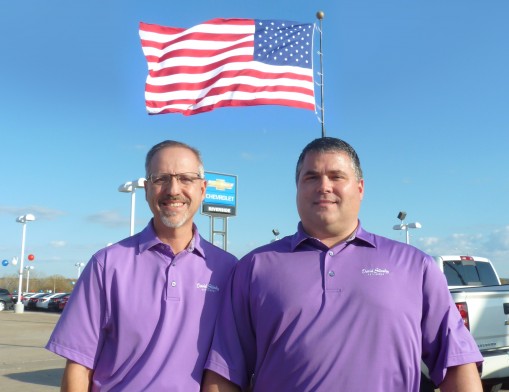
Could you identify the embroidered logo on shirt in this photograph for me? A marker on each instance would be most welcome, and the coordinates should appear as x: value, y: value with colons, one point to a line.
x: 375, y: 271
x: 207, y: 287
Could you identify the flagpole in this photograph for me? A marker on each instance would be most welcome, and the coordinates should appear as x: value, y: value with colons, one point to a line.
x: 320, y: 15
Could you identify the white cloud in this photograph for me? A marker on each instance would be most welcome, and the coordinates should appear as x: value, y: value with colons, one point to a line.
x: 38, y: 211
x: 499, y: 239
x: 429, y: 241
x: 109, y: 219
x: 494, y: 245
x: 246, y: 156
x: 457, y: 243
x: 58, y: 244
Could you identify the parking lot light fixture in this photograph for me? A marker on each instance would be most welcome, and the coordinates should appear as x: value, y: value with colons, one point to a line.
x: 28, y: 269
x: 23, y: 219
x: 130, y: 187
x: 79, y: 265
x: 406, y: 226
x: 276, y: 235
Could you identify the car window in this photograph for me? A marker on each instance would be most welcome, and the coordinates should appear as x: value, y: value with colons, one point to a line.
x: 459, y: 273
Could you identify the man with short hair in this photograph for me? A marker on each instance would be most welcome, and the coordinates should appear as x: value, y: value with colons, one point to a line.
x: 142, y: 314
x: 334, y: 307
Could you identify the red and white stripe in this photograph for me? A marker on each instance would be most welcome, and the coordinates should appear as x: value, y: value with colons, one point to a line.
x: 211, y: 65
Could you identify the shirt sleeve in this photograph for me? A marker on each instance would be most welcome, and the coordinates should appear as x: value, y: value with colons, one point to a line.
x: 446, y: 341
x: 233, y: 351
x: 78, y: 335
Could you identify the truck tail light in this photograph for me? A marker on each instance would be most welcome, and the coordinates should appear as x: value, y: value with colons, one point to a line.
x: 463, y: 309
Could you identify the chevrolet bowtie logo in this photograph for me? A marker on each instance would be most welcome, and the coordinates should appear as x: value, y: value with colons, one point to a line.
x: 220, y: 184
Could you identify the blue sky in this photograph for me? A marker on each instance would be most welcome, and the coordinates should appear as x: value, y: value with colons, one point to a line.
x: 421, y: 90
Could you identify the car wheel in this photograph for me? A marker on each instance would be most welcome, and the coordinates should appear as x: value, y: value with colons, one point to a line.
x: 426, y: 385
x: 2, y: 305
x: 488, y: 387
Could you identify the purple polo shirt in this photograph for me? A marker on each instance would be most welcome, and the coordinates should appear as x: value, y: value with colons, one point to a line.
x: 359, y: 316
x: 142, y: 317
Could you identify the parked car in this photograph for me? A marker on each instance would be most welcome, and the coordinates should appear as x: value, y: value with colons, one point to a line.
x: 15, y: 297
x: 6, y: 301
x: 31, y: 302
x: 483, y: 303
x: 54, y: 302
x: 63, y: 302
x: 42, y: 302
x: 27, y: 296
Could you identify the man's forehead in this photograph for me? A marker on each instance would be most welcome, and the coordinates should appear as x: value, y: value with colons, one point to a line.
x: 175, y: 155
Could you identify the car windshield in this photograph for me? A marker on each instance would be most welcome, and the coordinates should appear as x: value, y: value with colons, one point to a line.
x: 469, y: 273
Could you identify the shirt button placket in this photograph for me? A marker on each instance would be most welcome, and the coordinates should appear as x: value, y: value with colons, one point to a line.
x: 331, y: 281
x: 173, y: 288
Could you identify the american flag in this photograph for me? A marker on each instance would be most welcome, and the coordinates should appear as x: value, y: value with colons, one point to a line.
x: 228, y: 62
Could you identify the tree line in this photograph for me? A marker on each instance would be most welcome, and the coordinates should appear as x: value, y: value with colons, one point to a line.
x: 53, y: 283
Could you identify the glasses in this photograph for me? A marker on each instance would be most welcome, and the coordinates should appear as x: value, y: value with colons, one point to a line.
x: 184, y: 179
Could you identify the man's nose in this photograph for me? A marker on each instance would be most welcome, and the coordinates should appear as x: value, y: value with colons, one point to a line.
x: 173, y: 186
x: 324, y: 184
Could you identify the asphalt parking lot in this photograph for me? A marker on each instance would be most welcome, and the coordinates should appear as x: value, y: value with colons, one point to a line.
x: 25, y: 365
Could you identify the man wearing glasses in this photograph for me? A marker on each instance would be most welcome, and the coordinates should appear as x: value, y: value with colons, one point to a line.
x: 142, y: 314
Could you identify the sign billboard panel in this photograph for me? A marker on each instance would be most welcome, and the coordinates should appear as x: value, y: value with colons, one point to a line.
x: 220, y: 195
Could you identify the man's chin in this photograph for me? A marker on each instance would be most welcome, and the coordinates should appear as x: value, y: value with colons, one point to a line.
x: 173, y: 222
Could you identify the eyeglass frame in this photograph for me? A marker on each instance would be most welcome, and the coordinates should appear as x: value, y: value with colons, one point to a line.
x: 177, y: 176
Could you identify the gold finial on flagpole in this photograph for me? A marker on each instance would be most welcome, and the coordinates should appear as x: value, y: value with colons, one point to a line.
x: 320, y: 15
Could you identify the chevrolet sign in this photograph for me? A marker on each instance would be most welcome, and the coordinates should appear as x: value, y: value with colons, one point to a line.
x: 220, y: 195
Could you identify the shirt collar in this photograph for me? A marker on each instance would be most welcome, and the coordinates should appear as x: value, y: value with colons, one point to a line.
x: 359, y: 236
x: 148, y: 239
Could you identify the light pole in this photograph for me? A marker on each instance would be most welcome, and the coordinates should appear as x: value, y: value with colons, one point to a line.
x: 406, y: 226
x: 79, y: 265
x: 28, y: 269
x: 130, y: 187
x: 23, y: 219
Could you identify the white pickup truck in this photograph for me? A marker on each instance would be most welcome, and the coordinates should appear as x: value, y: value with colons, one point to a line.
x: 483, y: 303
